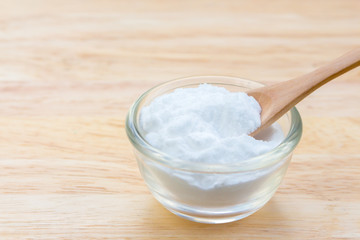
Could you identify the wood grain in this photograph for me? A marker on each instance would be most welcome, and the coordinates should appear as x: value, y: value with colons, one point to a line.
x: 69, y: 71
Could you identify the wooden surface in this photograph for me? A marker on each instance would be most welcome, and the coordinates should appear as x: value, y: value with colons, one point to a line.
x: 69, y: 70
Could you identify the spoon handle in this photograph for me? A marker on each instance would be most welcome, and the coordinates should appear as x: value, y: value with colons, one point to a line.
x: 279, y: 98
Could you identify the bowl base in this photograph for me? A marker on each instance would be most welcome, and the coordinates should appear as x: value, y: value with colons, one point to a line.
x: 211, y: 220
x: 213, y: 216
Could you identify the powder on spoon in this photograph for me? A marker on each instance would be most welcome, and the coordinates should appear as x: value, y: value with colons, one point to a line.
x: 206, y: 124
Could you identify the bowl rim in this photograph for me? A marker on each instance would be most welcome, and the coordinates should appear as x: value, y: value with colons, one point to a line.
x: 264, y: 160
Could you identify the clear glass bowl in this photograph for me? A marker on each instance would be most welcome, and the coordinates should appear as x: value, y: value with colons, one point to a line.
x: 211, y: 193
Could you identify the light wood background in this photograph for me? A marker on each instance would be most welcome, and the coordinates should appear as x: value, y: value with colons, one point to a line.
x: 69, y: 70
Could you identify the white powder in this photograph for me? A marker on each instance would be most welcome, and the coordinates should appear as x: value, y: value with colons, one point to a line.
x: 206, y: 124
x: 209, y: 124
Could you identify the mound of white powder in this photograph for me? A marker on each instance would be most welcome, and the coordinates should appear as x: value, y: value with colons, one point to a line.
x: 206, y: 124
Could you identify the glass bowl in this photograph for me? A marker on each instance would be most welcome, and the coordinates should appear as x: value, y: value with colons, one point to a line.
x: 211, y: 193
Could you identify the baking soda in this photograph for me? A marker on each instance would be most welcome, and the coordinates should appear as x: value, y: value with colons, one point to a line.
x: 207, y: 124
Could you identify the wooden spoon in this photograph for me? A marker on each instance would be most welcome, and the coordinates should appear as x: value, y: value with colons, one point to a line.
x: 275, y: 100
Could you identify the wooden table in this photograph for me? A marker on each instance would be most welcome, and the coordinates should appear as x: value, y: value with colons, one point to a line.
x: 69, y: 70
